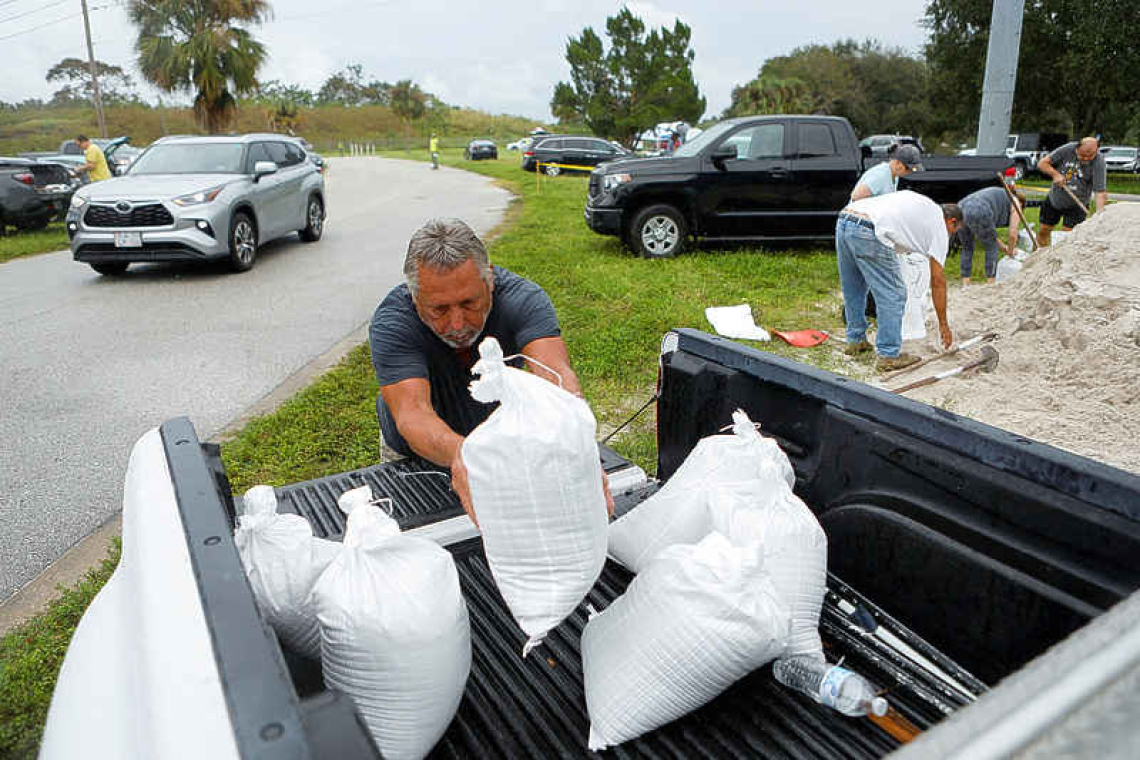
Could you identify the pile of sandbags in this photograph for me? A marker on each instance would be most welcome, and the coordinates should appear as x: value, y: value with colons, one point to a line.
x: 731, y: 572
x: 536, y: 487
x: 383, y: 612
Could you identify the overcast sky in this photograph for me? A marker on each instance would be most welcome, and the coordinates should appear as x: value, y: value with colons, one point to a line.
x: 493, y: 56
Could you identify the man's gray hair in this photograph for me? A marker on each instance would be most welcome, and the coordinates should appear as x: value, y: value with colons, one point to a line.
x: 952, y: 211
x: 444, y: 244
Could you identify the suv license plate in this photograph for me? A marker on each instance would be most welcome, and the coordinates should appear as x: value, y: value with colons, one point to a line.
x: 128, y: 240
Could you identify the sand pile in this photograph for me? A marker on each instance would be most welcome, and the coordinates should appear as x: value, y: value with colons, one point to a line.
x: 1069, y: 340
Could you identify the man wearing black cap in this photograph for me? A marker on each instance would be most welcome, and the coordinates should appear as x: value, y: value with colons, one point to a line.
x: 883, y: 178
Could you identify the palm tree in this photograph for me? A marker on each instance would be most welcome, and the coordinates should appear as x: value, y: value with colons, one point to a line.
x: 201, y: 46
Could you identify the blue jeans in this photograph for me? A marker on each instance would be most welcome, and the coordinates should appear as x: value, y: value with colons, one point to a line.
x: 865, y: 265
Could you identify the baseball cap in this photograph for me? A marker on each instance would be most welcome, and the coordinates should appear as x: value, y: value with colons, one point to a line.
x: 909, y: 156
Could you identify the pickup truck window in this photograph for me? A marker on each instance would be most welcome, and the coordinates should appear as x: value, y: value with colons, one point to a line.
x: 762, y: 141
x: 816, y: 140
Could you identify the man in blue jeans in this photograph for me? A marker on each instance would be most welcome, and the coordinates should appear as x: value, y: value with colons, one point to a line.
x: 870, y: 235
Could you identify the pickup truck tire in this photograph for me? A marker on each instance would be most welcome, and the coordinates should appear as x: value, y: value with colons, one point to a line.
x: 1019, y: 171
x: 243, y: 242
x: 111, y: 268
x: 315, y: 221
x: 658, y: 232
x: 35, y: 223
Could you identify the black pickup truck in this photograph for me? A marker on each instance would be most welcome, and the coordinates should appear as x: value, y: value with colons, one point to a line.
x: 756, y: 178
x: 975, y: 549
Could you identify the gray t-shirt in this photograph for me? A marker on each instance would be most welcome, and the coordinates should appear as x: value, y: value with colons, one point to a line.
x: 403, y: 347
x: 1083, y: 179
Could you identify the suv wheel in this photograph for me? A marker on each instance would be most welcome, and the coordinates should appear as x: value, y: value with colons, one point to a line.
x: 658, y: 232
x: 315, y: 218
x: 552, y: 171
x: 1018, y: 171
x: 110, y: 268
x: 243, y: 242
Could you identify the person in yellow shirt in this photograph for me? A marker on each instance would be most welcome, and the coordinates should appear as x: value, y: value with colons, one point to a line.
x: 433, y: 146
x: 96, y: 166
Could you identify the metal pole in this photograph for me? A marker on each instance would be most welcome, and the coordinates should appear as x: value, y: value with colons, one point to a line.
x: 94, y: 76
x: 1001, y: 76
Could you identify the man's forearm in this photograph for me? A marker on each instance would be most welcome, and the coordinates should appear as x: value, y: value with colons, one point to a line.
x: 938, y: 295
x: 1101, y: 201
x: 429, y: 436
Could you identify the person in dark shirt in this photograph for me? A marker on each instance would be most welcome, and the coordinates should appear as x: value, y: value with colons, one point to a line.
x: 424, y: 334
x: 1080, y: 167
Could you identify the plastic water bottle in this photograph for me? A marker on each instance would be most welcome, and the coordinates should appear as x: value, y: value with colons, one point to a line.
x: 830, y: 685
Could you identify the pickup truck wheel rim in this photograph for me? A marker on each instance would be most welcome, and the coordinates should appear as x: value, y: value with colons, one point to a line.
x: 315, y: 220
x: 243, y: 241
x: 659, y: 235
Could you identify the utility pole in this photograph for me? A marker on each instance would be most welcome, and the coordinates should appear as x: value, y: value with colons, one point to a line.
x: 94, y: 75
x: 1001, y: 76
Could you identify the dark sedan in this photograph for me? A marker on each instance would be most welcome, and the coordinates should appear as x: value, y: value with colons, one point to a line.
x: 479, y: 149
x: 559, y: 153
x: 33, y: 193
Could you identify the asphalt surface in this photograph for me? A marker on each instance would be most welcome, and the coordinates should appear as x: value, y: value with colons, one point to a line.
x: 90, y: 363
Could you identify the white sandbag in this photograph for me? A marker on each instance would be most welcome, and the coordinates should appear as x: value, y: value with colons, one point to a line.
x: 678, y: 513
x: 694, y: 621
x: 536, y: 486
x: 395, y: 636
x: 283, y: 560
x: 794, y: 545
x: 1007, y: 268
x: 915, y: 270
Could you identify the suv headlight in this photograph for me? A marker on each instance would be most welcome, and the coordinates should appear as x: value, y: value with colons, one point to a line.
x: 611, y: 181
x: 77, y: 201
x: 202, y: 196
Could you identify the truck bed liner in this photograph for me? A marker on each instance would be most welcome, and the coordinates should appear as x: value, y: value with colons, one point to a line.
x: 536, y: 707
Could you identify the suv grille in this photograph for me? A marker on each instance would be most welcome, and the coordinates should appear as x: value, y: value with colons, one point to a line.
x: 150, y: 215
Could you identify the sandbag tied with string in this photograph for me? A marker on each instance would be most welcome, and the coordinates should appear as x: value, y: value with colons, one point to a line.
x: 679, y: 512
x: 395, y: 634
x: 536, y: 488
x: 283, y: 560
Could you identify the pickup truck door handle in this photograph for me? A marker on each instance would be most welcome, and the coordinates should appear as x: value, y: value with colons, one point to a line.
x: 778, y: 172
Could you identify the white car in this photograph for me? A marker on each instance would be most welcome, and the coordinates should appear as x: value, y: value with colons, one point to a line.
x: 1119, y: 158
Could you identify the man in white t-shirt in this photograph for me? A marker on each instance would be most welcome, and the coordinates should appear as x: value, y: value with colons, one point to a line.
x: 870, y: 236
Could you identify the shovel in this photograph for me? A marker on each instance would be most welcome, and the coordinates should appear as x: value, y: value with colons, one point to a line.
x: 987, y: 363
x: 984, y: 338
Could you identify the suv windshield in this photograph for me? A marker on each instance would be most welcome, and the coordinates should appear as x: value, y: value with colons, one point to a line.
x: 191, y: 158
x: 709, y: 136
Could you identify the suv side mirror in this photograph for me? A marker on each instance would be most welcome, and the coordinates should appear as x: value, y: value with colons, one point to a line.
x: 262, y: 168
x: 724, y: 153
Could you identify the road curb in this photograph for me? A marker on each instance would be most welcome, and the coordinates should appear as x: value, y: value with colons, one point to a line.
x: 34, y: 596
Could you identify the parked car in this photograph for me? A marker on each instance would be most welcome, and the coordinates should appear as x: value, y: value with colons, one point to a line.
x: 192, y: 198
x: 521, y: 144
x: 884, y: 145
x: 32, y: 193
x: 479, y: 149
x: 1120, y: 158
x: 561, y: 153
x: 118, y: 152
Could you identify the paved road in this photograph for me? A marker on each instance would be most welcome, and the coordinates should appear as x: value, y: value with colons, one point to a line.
x: 90, y: 363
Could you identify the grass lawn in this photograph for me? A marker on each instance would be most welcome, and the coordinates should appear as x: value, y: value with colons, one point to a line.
x: 1117, y: 183
x: 30, y: 658
x: 16, y: 243
x: 614, y: 308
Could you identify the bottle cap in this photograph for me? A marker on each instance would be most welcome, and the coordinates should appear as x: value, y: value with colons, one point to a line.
x: 878, y: 706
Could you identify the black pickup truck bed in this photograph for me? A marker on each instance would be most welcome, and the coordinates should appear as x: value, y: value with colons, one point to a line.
x: 978, y: 548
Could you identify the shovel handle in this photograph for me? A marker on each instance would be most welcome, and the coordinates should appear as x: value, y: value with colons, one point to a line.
x: 970, y: 343
x: 1017, y: 208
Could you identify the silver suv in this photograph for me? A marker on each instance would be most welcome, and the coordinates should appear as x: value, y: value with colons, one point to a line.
x: 199, y: 198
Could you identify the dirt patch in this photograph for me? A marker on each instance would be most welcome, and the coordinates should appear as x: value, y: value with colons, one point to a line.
x: 1069, y: 340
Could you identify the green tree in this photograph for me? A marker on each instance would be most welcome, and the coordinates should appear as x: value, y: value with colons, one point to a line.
x: 1077, y: 58
x: 115, y: 85
x: 408, y: 102
x: 877, y: 89
x: 643, y: 79
x: 203, y: 47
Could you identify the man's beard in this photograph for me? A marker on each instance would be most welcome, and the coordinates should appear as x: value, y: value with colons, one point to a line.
x: 463, y: 338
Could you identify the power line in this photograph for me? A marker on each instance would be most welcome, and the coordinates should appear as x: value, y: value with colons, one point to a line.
x: 50, y: 23
x: 33, y: 10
